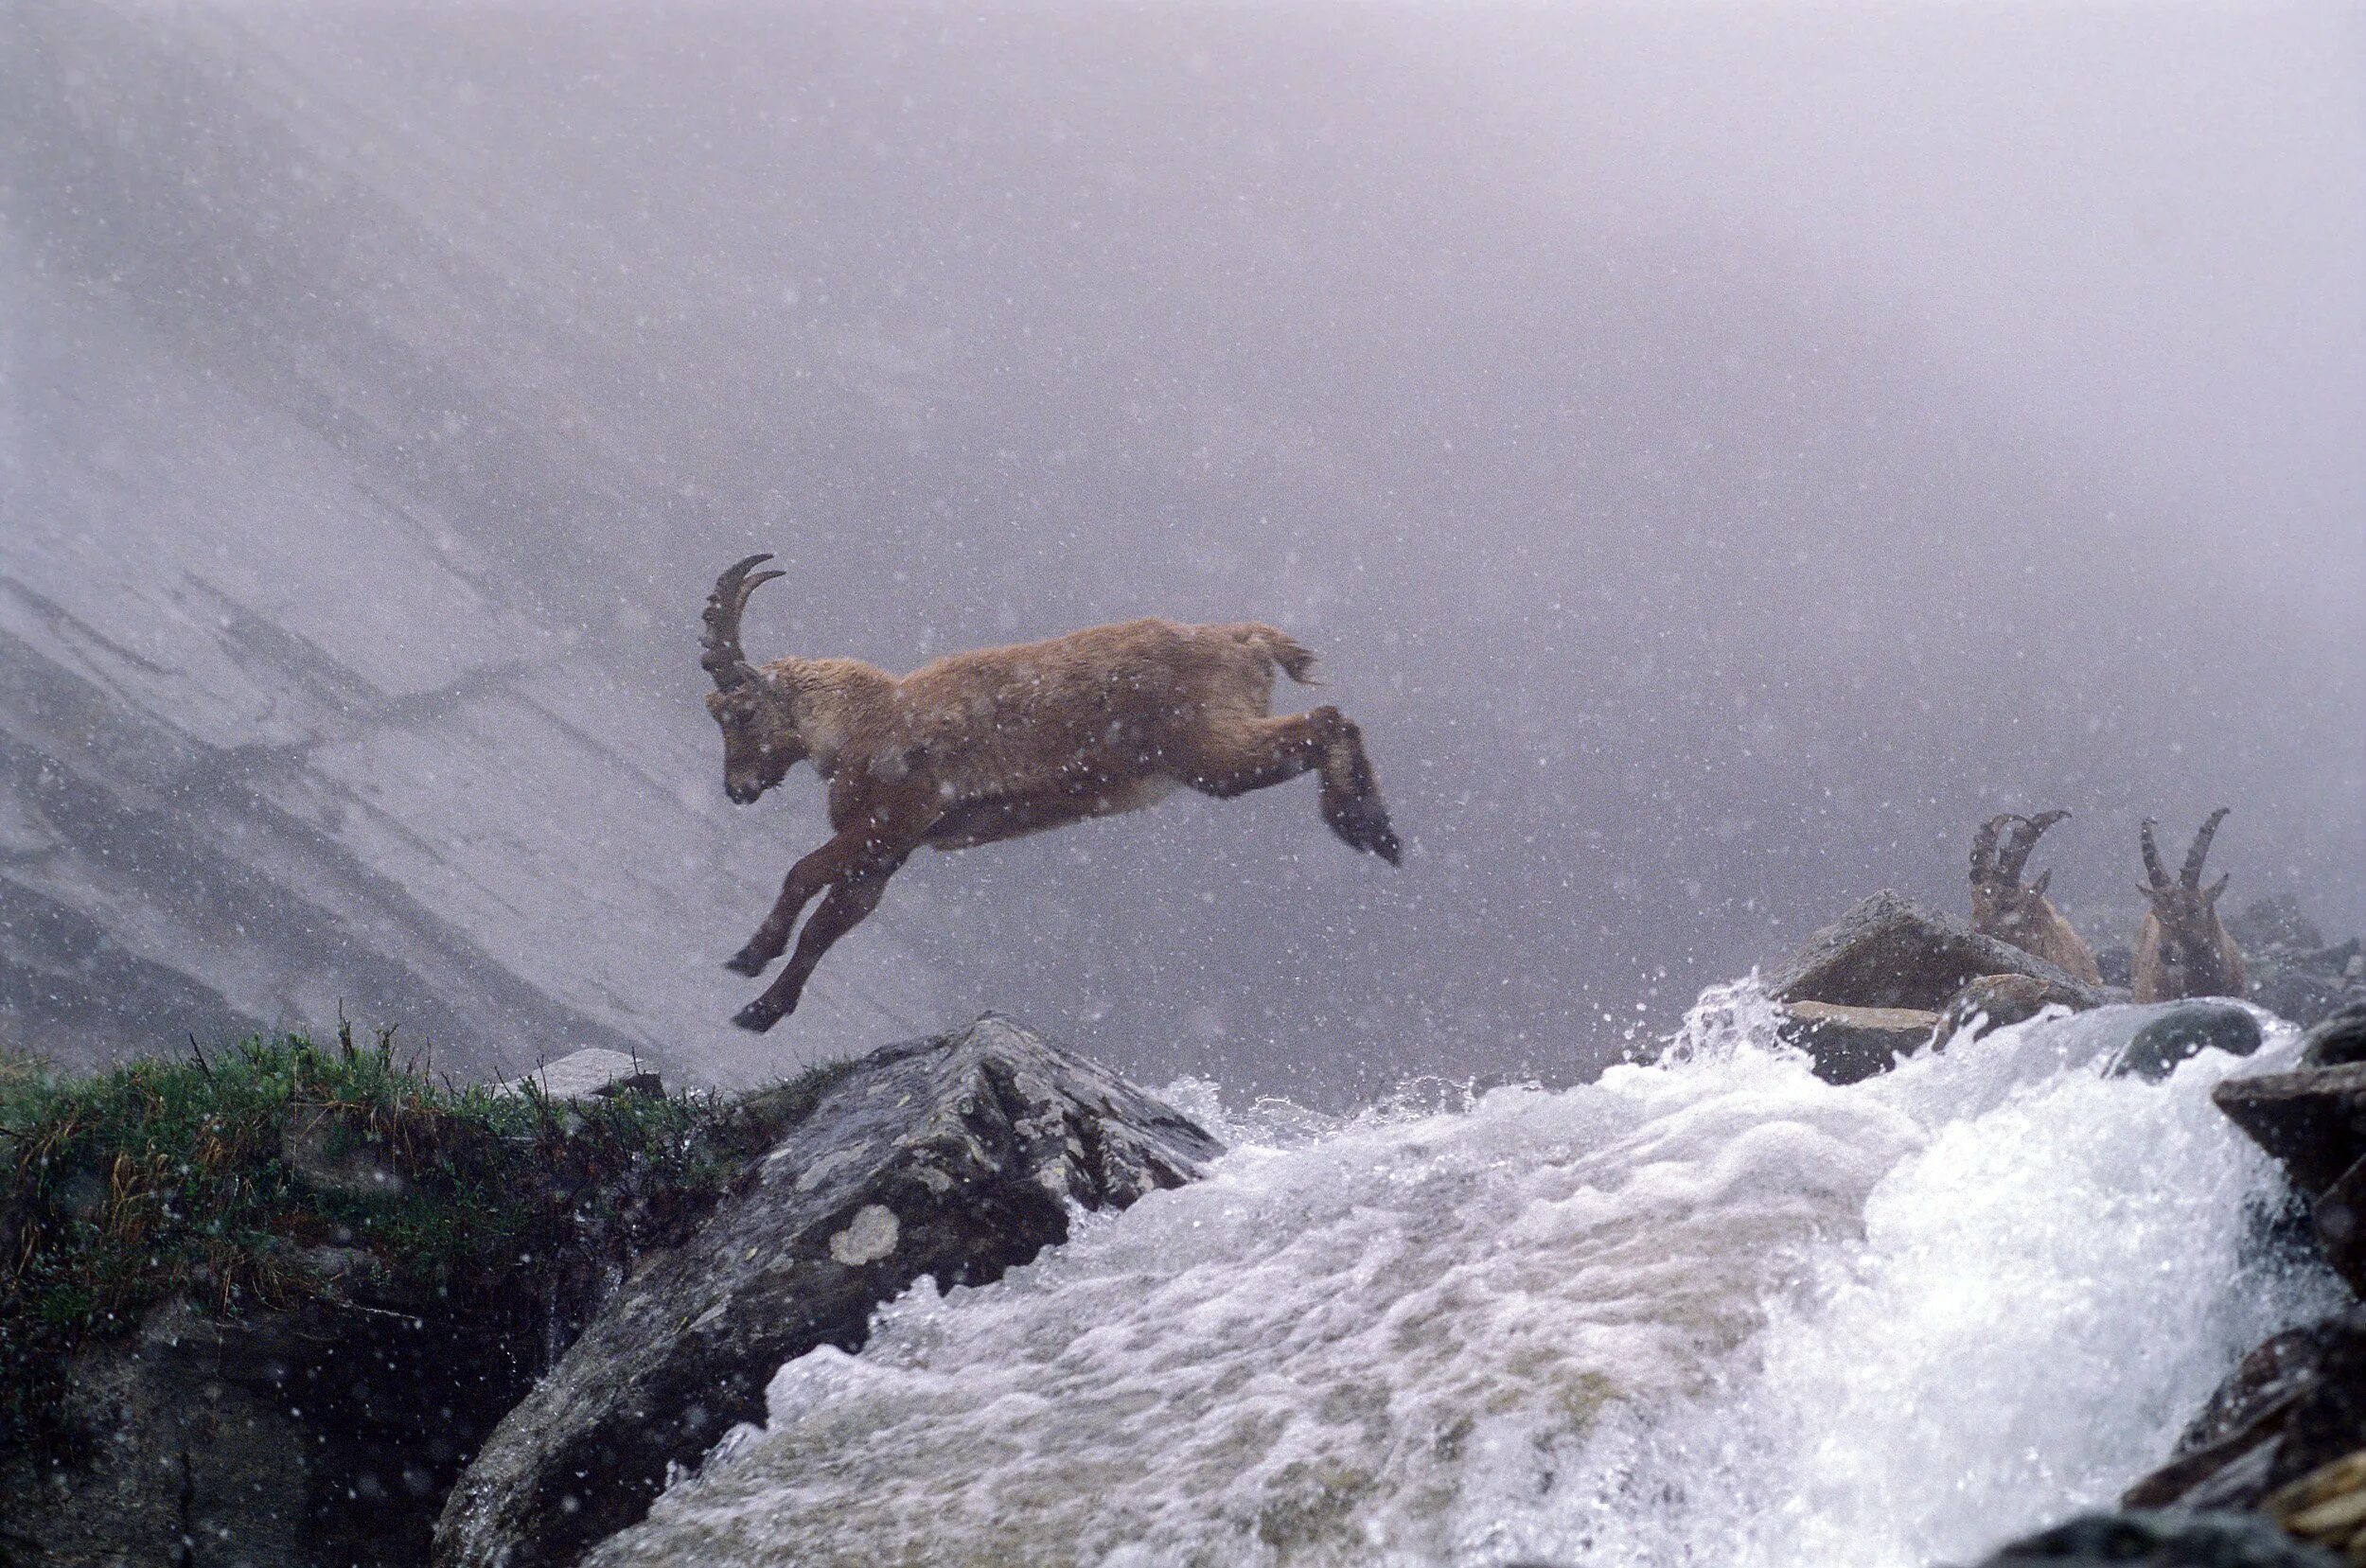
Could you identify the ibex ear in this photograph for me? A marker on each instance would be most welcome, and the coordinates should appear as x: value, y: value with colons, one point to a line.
x: 2044, y: 876
x: 2217, y: 887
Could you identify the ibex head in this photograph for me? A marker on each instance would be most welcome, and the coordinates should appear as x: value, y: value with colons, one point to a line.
x: 2192, y: 940
x: 1999, y: 902
x: 760, y: 739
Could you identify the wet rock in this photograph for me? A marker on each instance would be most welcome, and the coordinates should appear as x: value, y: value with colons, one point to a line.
x: 281, y: 1439
x: 1889, y: 953
x: 2181, y: 1030
x: 2311, y: 1118
x: 1852, y: 1043
x: 590, y: 1073
x: 2225, y: 1454
x: 1993, y: 1001
x: 2139, y: 1540
x: 2339, y: 1221
x: 2337, y: 1041
x: 2296, y: 1404
x: 955, y: 1157
x: 2327, y: 1506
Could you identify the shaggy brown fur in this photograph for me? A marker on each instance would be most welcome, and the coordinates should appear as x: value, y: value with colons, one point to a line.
x: 2182, y: 950
x: 2002, y: 908
x: 985, y: 745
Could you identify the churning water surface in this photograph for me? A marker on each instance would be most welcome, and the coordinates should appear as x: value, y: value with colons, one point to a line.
x: 1709, y: 1310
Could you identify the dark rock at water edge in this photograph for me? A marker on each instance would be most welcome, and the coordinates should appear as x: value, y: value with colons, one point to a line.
x: 1850, y: 1044
x: 2312, y: 1118
x: 954, y: 1157
x: 2296, y: 1404
x: 2183, y: 1030
x: 1889, y: 953
x: 2141, y: 1539
x: 2339, y: 1221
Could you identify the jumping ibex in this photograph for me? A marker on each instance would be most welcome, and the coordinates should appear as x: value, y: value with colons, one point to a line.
x: 2002, y: 908
x: 984, y: 746
x: 2182, y: 950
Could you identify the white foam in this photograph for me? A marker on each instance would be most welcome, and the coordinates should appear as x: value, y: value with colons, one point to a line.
x: 1707, y: 1310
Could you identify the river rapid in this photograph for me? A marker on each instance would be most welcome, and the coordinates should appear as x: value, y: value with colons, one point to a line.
x: 1704, y: 1311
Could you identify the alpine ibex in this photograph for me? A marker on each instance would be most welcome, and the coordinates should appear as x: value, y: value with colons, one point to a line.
x: 984, y: 746
x: 2182, y: 950
x: 2004, y: 908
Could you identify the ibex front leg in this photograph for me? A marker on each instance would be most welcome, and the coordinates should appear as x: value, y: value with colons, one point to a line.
x: 849, y: 903
x: 806, y: 878
x: 877, y: 838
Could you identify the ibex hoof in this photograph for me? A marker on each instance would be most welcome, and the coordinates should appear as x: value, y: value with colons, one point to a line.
x: 756, y: 1017
x: 1363, y: 825
x: 746, y: 961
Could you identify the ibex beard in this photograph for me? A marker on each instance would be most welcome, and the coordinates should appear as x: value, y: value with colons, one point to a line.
x: 994, y: 744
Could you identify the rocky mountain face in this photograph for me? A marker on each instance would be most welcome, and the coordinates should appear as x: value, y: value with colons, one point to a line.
x: 298, y: 706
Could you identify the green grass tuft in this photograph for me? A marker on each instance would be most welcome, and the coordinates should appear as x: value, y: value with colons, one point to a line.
x: 262, y: 1176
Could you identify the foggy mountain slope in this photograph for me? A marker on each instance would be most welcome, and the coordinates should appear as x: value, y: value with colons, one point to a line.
x: 1684, y: 583
x: 268, y: 736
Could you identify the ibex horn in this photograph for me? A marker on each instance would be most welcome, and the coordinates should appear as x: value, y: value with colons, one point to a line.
x: 721, y: 656
x: 2018, y: 849
x: 1984, y: 848
x: 2191, y: 875
x: 2153, y: 869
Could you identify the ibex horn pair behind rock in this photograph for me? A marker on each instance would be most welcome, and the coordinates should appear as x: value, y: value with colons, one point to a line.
x: 2003, y: 907
x: 2183, y: 950
x: 985, y: 745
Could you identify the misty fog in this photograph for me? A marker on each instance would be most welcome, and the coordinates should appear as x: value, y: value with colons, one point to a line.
x: 1718, y: 455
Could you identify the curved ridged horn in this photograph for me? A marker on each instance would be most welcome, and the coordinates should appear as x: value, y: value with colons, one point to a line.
x: 720, y: 654
x: 1983, y: 858
x: 2153, y: 869
x: 2017, y: 848
x: 2191, y: 875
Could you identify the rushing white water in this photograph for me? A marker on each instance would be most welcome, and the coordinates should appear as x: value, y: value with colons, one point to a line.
x: 1709, y: 1310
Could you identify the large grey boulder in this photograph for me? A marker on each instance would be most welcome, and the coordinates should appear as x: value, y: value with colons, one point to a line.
x: 1889, y: 953
x: 588, y: 1074
x: 955, y: 1157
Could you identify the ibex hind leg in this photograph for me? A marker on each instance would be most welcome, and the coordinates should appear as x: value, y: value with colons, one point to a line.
x: 1269, y: 751
x: 1351, y: 805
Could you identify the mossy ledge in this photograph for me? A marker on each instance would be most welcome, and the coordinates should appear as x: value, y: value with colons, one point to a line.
x: 341, y: 1193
